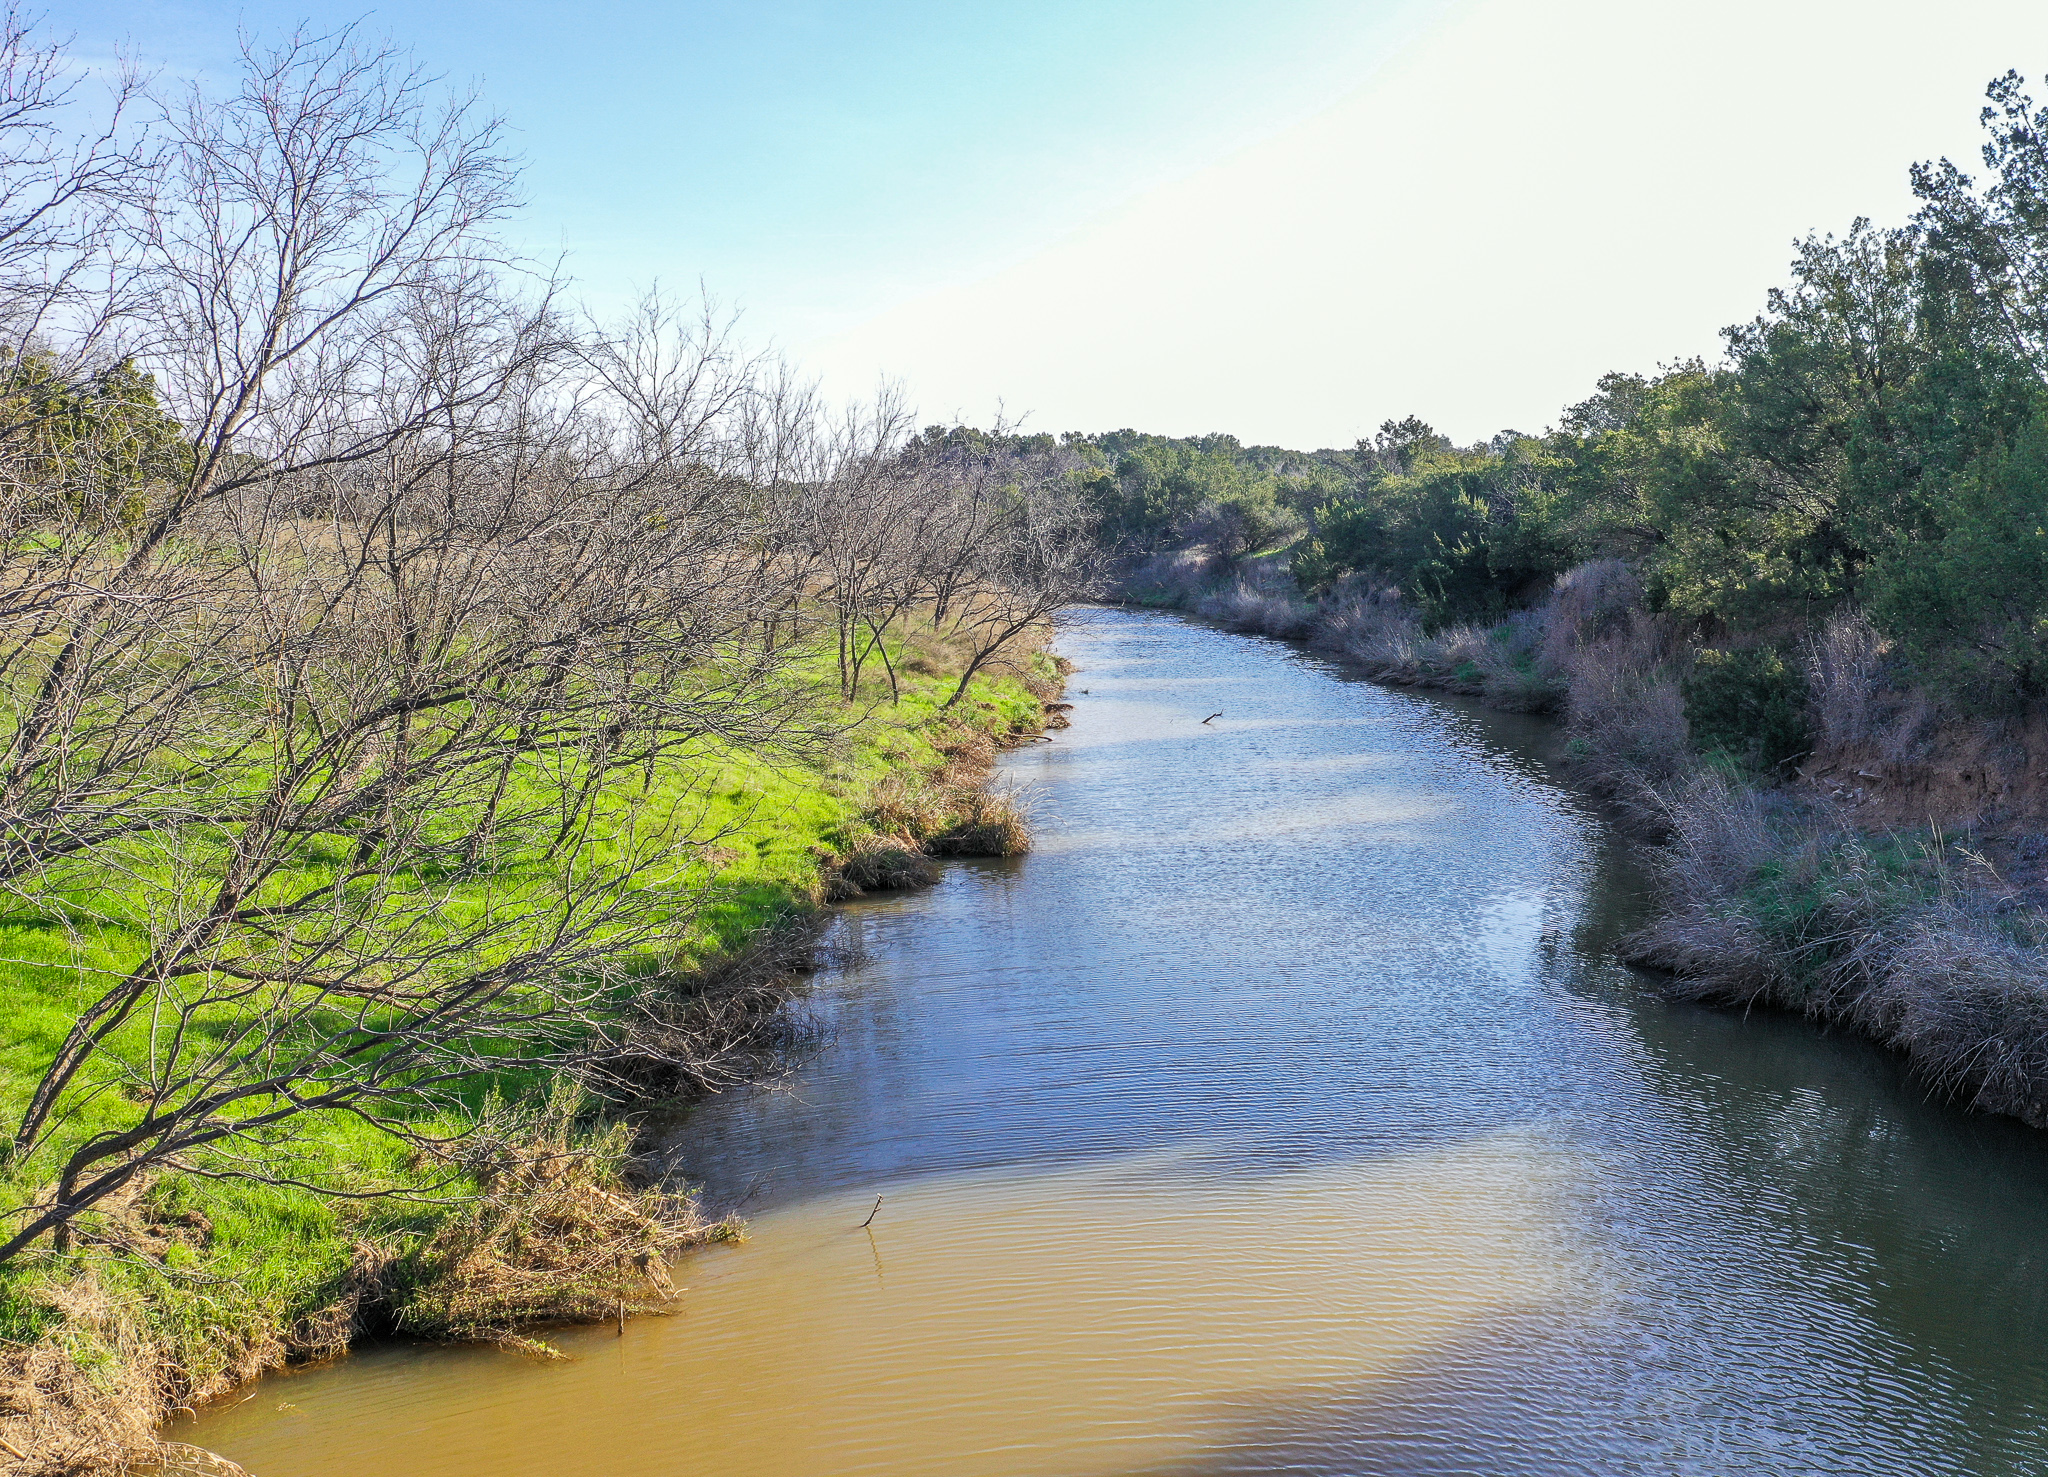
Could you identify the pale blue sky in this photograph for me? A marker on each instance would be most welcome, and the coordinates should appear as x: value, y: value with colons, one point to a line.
x: 817, y: 161
x: 1288, y: 219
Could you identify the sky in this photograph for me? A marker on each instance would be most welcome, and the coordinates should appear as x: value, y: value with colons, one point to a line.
x: 1285, y: 219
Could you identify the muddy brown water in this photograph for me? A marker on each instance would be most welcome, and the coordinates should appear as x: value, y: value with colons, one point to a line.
x: 1285, y: 1111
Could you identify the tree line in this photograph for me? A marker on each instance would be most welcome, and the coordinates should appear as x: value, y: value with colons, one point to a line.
x: 1876, y: 438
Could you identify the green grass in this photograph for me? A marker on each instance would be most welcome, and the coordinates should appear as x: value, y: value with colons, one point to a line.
x: 227, y: 1263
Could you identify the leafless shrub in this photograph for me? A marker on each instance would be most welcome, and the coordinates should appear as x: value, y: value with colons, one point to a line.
x: 1246, y: 608
x: 1176, y: 577
x: 1588, y: 603
x: 1373, y: 627
x: 1852, y: 703
x: 1969, y: 1006
x: 1626, y: 717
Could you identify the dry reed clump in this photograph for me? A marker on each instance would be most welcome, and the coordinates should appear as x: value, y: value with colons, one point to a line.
x: 1908, y: 943
x: 558, y: 1236
x: 1968, y: 1004
x: 1367, y: 623
x: 1709, y: 935
x: 1852, y: 704
x: 1589, y: 603
x: 1508, y: 658
x: 1719, y: 836
x: 986, y: 822
x: 878, y: 863
x: 1246, y: 607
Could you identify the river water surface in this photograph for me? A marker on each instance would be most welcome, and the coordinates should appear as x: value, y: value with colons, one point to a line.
x: 1284, y: 1111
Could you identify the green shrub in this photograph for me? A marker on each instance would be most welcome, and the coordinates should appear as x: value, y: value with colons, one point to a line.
x: 1750, y: 704
x: 1969, y: 608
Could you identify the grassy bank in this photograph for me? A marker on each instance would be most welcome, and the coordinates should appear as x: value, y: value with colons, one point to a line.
x: 208, y: 1275
x: 1829, y: 843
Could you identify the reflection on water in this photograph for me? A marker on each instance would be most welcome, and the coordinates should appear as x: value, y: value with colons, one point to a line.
x: 1283, y: 1112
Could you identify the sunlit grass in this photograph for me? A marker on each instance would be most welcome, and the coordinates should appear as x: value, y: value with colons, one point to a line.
x: 229, y: 1262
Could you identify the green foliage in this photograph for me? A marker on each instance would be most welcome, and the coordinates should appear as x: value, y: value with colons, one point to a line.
x: 1878, y: 436
x: 1465, y: 533
x: 1152, y: 490
x: 96, y: 447
x: 1750, y: 704
x: 1969, y: 606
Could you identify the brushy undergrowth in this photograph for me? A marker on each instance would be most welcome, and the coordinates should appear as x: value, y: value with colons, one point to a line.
x: 197, y: 1282
x: 1913, y: 939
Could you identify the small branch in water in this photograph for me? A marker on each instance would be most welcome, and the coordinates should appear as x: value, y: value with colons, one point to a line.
x: 871, y: 1214
x: 1212, y: 717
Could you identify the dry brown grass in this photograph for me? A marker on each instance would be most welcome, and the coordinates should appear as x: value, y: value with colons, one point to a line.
x: 1267, y: 611
x: 1370, y: 626
x: 1918, y: 943
x: 557, y: 1235
x: 986, y: 822
x: 87, y: 1399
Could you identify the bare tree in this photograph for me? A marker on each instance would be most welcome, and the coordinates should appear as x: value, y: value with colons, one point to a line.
x: 321, y: 285
x: 63, y: 290
x: 464, y: 671
x: 320, y: 244
x: 858, y: 516
x: 357, y: 661
x: 1037, y: 555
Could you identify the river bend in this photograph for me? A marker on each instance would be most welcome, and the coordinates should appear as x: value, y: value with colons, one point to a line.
x: 1285, y: 1111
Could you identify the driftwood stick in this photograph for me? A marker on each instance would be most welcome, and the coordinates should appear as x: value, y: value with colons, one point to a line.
x: 871, y: 1214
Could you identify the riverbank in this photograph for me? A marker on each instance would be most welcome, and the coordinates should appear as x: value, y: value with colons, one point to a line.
x: 1886, y: 876
x: 1287, y: 1107
x: 196, y: 1283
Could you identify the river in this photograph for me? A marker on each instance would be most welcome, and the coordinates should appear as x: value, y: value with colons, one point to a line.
x: 1284, y: 1111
